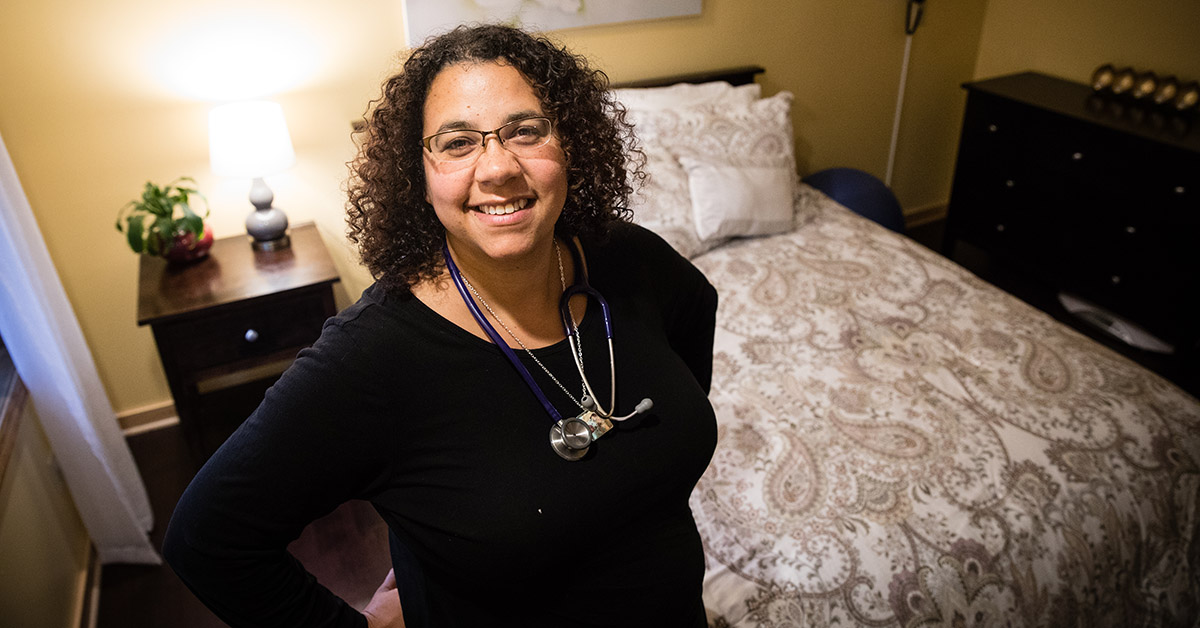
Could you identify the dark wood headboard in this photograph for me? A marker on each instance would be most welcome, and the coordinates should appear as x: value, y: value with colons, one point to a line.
x: 734, y: 76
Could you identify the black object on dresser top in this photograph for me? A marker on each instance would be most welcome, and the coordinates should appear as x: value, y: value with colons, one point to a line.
x: 1089, y: 195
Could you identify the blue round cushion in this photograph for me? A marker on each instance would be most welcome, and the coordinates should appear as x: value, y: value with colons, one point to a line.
x: 862, y: 192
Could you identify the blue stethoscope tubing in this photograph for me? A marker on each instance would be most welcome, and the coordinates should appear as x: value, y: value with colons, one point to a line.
x: 583, y: 287
x: 572, y: 331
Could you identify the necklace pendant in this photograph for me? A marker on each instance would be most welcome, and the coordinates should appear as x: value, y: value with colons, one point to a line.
x: 597, y: 424
x: 571, y: 438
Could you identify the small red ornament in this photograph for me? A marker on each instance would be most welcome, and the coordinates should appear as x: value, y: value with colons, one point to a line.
x: 186, y: 248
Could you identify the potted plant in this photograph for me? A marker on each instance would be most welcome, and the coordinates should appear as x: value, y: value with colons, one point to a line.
x: 163, y: 223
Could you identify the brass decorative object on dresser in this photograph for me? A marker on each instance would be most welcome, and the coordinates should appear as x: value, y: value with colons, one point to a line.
x: 1096, y: 199
x: 233, y: 321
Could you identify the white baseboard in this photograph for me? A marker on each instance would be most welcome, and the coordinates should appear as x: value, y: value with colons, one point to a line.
x: 148, y: 418
x: 88, y: 594
x: 921, y: 215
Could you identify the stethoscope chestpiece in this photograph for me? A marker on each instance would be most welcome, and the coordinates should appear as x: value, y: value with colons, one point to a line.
x: 570, y: 438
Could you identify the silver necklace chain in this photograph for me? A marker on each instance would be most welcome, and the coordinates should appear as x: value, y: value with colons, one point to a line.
x: 575, y: 326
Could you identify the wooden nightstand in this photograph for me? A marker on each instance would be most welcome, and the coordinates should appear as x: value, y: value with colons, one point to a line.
x: 227, y: 326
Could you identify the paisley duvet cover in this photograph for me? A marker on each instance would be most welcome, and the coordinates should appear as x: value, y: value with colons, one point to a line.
x: 902, y: 444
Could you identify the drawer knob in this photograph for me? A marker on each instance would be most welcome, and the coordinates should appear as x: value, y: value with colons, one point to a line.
x: 1115, y: 279
x: 1000, y: 227
x: 993, y: 128
x: 1077, y: 156
x: 1131, y: 229
x: 1179, y: 189
x: 1010, y: 183
x: 251, y: 335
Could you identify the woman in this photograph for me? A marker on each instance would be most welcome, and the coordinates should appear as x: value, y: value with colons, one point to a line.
x: 491, y: 182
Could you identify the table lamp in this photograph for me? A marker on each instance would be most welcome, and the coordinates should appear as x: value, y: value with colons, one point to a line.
x: 250, y: 139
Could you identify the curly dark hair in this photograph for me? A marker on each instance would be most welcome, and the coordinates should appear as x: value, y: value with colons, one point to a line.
x: 397, y: 232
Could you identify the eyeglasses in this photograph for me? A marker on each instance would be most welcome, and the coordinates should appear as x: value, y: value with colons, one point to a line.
x: 521, y: 137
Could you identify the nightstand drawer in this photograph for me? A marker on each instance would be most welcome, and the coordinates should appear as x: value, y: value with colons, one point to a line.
x: 253, y: 331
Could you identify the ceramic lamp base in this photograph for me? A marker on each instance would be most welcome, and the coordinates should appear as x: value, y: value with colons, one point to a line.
x: 271, y: 245
x: 268, y: 226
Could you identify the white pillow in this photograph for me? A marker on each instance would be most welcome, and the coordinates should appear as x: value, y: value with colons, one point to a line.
x: 686, y: 95
x: 731, y: 200
x: 663, y: 204
x: 726, y: 142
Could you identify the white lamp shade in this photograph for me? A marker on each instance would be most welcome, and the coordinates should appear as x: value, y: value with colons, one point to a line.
x: 249, y: 139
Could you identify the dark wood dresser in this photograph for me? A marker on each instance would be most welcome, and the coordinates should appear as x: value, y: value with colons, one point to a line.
x: 228, y: 325
x: 1093, y: 196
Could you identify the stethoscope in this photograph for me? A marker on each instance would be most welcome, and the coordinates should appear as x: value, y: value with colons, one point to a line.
x: 569, y: 437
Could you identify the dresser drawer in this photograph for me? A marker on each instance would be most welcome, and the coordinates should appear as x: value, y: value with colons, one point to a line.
x: 1171, y: 186
x: 993, y: 131
x: 997, y: 225
x: 1078, y: 200
x: 253, y: 330
x: 1165, y: 304
x: 1005, y: 212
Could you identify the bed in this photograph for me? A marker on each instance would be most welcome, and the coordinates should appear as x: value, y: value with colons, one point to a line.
x: 901, y: 443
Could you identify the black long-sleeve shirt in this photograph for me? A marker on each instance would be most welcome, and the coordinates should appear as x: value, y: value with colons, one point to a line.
x: 396, y: 405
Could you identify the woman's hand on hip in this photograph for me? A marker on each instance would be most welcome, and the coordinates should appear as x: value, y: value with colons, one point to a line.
x: 384, y: 611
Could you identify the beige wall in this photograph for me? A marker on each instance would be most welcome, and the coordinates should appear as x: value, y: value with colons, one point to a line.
x: 92, y: 105
x: 90, y: 110
x: 1070, y: 38
x: 842, y: 60
x: 43, y: 545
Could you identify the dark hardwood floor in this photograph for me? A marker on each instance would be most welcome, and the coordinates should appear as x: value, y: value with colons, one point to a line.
x: 347, y: 550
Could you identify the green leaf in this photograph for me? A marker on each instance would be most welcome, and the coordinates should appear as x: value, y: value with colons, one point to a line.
x: 154, y: 215
x: 123, y: 212
x: 134, y: 236
x: 202, y: 198
x: 162, y: 234
x: 193, y: 223
x: 151, y: 195
x: 164, y: 206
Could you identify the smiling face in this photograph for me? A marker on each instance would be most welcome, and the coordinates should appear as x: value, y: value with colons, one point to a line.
x: 497, y: 207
